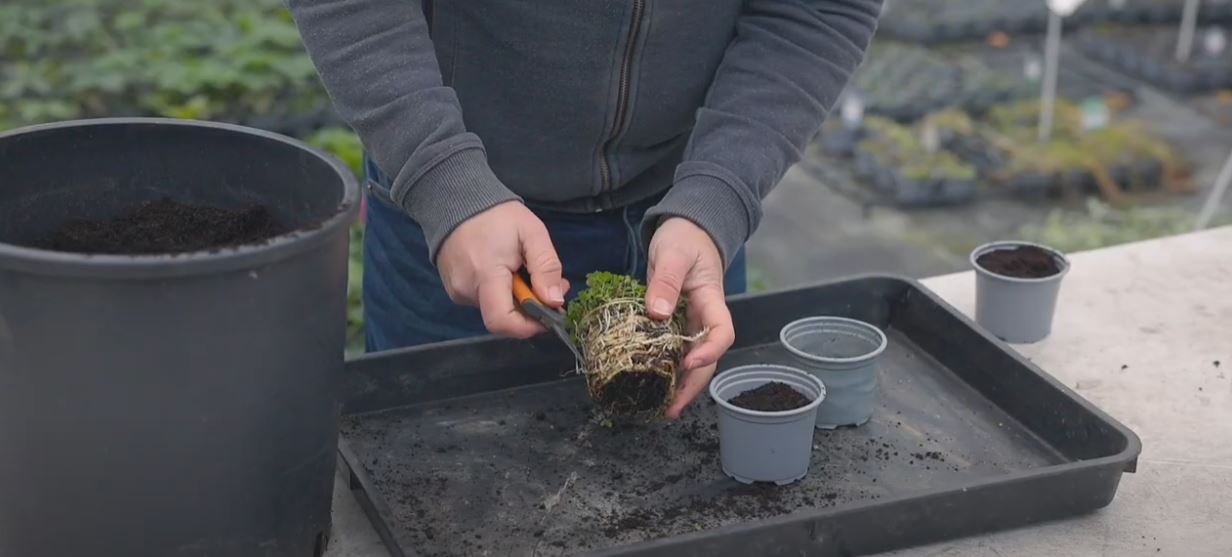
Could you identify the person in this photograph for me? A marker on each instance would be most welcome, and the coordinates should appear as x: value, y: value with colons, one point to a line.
x: 568, y: 136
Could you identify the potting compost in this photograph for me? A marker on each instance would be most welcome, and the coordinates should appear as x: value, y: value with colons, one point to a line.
x: 1020, y: 262
x: 165, y: 226
x: 482, y: 446
x: 771, y: 397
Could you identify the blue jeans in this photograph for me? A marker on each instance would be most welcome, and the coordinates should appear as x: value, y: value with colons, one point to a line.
x: 405, y: 303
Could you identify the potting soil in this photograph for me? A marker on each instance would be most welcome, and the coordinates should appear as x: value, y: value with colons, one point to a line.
x: 634, y: 394
x: 771, y: 397
x: 1020, y: 262
x: 165, y: 226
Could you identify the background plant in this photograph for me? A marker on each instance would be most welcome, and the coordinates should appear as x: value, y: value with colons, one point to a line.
x: 231, y: 60
x: 1101, y: 225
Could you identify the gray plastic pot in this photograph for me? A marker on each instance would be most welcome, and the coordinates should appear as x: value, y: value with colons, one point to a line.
x: 765, y: 446
x: 842, y: 353
x: 1017, y: 310
x: 161, y: 405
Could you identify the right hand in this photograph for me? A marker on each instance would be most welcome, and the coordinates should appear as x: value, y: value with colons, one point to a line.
x: 478, y: 259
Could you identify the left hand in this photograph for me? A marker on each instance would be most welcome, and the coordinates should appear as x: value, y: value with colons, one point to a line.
x: 684, y: 260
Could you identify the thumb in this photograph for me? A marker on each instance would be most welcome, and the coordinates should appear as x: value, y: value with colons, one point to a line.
x: 667, y: 272
x: 544, y: 265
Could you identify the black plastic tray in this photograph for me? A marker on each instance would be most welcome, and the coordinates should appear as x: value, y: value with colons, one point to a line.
x: 474, y: 446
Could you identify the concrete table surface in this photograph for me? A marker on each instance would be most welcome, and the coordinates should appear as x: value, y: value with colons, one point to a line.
x: 1145, y: 332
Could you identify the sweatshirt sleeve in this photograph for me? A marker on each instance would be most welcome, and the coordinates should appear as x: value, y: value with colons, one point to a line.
x: 379, y: 67
x: 781, y: 74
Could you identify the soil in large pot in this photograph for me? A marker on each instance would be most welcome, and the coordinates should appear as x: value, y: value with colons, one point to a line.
x: 165, y: 226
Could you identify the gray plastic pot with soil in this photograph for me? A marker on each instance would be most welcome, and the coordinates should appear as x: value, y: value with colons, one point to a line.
x: 172, y: 315
x: 766, y: 416
x: 1016, y: 289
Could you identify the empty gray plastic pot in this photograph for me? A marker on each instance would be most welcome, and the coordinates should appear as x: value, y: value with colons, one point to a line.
x: 765, y: 446
x: 842, y: 353
x: 1014, y: 309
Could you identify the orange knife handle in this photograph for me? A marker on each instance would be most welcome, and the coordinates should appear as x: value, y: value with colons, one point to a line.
x: 521, y: 290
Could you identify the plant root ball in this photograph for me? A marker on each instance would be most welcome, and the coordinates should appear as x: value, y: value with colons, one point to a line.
x: 633, y: 394
x: 631, y: 360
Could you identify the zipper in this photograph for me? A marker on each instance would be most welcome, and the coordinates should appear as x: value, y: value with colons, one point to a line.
x: 622, y: 94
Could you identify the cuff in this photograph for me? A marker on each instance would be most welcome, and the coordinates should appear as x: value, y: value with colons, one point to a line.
x: 458, y: 187
x: 712, y: 204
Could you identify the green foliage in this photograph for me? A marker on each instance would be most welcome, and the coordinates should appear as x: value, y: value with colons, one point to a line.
x: 1012, y: 129
x: 898, y: 145
x: 355, y: 292
x: 1020, y: 119
x: 951, y: 120
x: 1124, y: 142
x: 756, y: 279
x: 1101, y: 225
x: 603, y: 287
x: 231, y: 60
x: 342, y: 143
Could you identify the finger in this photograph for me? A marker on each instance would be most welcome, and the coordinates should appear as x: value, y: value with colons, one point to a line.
x: 666, y: 276
x: 500, y: 315
x: 708, y: 309
x: 691, y: 385
x: 543, y: 264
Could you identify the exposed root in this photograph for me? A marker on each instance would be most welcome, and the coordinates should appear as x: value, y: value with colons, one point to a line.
x: 631, y: 360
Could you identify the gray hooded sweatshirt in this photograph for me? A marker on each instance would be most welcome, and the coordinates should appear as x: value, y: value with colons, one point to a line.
x: 586, y: 105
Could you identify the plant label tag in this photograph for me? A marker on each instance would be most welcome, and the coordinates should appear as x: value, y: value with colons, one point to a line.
x: 852, y: 111
x: 1095, y: 114
x: 1214, y: 41
x: 1064, y: 8
x: 1032, y: 69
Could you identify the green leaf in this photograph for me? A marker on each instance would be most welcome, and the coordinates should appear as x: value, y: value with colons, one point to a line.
x: 342, y: 143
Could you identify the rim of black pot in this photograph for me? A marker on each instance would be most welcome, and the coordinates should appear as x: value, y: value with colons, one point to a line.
x: 58, y: 263
x: 1006, y: 244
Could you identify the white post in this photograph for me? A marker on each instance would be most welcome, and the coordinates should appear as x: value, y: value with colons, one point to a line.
x: 1048, y: 92
x: 1189, y: 25
x: 1216, y: 196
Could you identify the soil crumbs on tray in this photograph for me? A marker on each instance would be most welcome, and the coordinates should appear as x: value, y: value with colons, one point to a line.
x: 165, y: 226
x: 1020, y: 262
x: 556, y: 481
x: 771, y: 397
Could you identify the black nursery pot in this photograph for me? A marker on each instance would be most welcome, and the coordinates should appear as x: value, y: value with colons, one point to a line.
x: 169, y: 405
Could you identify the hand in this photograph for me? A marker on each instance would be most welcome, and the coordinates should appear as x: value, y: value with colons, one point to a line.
x: 478, y: 259
x: 684, y: 260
